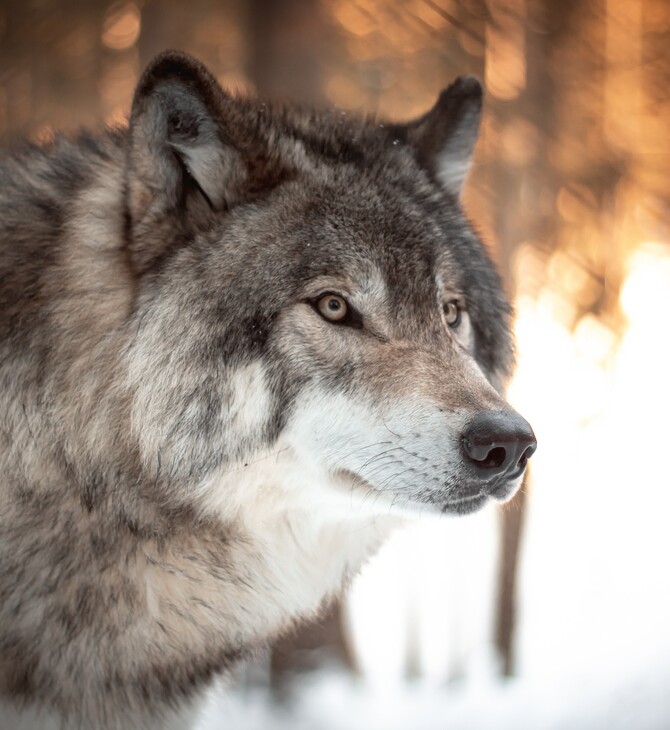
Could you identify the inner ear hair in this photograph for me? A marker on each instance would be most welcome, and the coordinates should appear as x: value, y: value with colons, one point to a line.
x: 197, y: 138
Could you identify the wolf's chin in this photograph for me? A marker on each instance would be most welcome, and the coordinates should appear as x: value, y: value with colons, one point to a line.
x: 465, y: 506
x: 380, y: 502
x: 468, y: 503
x: 506, y: 490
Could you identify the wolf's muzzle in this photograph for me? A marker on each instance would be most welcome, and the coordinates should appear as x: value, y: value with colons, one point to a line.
x: 498, y: 445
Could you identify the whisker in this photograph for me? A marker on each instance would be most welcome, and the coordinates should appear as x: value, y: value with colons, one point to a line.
x: 362, y: 448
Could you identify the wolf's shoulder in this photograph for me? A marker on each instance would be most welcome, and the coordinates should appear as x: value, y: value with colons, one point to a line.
x: 39, y: 182
x: 39, y: 178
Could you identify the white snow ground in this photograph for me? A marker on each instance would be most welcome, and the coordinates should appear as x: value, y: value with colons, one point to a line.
x: 638, y: 701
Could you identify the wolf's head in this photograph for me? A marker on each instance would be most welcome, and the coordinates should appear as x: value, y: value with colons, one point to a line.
x: 316, y: 319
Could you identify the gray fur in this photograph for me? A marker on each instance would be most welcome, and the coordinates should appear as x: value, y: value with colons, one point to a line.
x: 158, y: 343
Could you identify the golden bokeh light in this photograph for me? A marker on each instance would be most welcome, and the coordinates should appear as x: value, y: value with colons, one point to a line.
x: 122, y: 26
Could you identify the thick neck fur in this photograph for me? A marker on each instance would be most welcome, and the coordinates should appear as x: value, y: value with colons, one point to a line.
x: 100, y: 608
x: 111, y: 600
x: 145, y: 622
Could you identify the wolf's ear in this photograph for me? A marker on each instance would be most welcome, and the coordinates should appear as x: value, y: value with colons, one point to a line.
x: 181, y: 163
x: 445, y: 137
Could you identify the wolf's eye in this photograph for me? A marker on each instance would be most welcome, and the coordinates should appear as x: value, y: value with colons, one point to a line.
x: 452, y: 312
x: 336, y: 309
x: 333, y: 307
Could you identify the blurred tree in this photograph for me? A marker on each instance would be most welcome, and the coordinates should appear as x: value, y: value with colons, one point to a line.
x: 288, y: 46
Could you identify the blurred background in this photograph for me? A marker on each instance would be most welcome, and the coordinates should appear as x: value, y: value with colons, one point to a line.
x: 554, y: 611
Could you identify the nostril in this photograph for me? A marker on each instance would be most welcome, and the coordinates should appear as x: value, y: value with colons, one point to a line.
x: 495, y: 458
x: 521, y: 464
x: 530, y: 450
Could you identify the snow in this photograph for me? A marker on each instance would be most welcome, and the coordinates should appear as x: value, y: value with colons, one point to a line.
x: 638, y: 701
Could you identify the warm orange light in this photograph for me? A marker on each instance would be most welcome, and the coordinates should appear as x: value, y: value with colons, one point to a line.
x: 505, y: 50
x: 353, y: 19
x: 645, y: 295
x: 122, y: 26
x: 344, y: 92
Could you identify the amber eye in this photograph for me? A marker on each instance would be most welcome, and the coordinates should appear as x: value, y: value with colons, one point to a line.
x: 452, y: 312
x: 333, y: 307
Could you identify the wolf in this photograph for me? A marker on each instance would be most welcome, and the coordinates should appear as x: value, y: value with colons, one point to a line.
x: 237, y: 340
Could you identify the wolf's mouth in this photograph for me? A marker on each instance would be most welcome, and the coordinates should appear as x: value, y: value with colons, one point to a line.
x: 499, y: 490
x: 465, y: 505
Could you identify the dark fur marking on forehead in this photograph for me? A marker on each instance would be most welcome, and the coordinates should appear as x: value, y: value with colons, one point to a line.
x: 336, y: 148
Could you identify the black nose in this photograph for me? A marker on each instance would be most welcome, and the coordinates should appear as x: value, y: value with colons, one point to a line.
x: 499, y: 443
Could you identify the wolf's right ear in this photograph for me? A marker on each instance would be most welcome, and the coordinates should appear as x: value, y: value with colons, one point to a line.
x: 181, y: 162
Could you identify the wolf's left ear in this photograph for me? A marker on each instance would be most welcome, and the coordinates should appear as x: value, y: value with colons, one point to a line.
x: 445, y: 137
x: 181, y: 162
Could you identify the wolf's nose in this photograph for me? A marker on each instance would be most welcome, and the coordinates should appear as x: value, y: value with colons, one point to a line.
x: 499, y: 443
